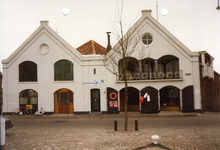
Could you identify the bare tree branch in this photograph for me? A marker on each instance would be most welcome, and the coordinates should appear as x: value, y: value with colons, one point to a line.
x: 121, y: 57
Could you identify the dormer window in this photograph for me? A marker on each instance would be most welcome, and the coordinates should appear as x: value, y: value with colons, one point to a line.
x: 147, y: 39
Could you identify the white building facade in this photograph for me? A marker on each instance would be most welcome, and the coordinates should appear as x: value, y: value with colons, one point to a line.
x: 45, y: 71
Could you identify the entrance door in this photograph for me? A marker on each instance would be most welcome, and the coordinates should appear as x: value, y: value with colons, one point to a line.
x: 188, y: 99
x: 95, y: 100
x: 64, y: 101
x: 152, y: 105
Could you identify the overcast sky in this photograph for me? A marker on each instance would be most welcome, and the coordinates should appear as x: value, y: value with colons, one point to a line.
x: 196, y: 23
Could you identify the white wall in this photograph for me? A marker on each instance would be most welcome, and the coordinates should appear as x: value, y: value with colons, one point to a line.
x: 162, y: 45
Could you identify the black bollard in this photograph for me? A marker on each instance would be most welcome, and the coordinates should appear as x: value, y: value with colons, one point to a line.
x: 136, y: 125
x: 115, y: 125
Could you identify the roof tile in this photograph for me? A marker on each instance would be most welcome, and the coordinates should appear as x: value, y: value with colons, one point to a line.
x: 91, y: 47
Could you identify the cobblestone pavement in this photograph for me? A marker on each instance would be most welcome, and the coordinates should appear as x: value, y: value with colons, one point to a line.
x: 200, y: 132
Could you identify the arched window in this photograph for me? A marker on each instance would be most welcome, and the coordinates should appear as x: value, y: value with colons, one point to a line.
x: 148, y: 68
x: 63, y: 70
x: 148, y: 65
x: 27, y: 71
x: 169, y: 65
x: 132, y: 67
x: 29, y: 97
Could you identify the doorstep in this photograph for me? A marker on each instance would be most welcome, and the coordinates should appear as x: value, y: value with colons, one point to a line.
x: 62, y: 115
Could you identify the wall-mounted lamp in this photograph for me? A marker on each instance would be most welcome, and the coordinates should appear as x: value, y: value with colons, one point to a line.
x: 218, y: 6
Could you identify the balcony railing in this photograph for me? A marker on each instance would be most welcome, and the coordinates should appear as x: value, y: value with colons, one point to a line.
x: 151, y: 76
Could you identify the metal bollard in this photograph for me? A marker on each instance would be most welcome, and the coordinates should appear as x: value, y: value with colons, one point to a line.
x: 136, y: 125
x: 115, y: 126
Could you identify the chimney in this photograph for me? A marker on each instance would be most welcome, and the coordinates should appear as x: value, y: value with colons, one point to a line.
x: 146, y: 12
x: 109, y: 47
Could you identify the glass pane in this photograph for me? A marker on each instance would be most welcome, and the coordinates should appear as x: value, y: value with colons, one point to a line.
x: 56, y: 97
x: 144, y: 39
x: 24, y: 100
x: 63, y: 70
x: 146, y: 68
x: 63, y: 99
x: 24, y: 93
x: 32, y: 93
x: 70, y: 97
x: 150, y: 41
x: 33, y: 100
x: 160, y: 68
x: 27, y: 71
x: 147, y: 39
x: 95, y: 94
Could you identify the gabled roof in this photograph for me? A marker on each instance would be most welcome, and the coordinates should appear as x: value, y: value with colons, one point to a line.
x: 91, y: 47
x: 147, y: 18
x: 43, y: 28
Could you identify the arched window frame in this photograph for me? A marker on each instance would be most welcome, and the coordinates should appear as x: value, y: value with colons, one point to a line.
x: 63, y: 70
x: 29, y: 97
x: 169, y: 66
x: 132, y: 67
x: 148, y: 65
x: 27, y: 71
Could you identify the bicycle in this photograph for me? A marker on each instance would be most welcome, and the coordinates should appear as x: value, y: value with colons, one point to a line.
x: 22, y: 110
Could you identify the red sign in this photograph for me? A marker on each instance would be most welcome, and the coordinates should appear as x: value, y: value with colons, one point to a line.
x: 115, y: 104
x: 110, y: 104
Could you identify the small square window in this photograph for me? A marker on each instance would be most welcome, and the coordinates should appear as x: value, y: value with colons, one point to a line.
x: 94, y: 71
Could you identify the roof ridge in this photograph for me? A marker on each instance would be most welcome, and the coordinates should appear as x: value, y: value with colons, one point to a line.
x: 93, y: 47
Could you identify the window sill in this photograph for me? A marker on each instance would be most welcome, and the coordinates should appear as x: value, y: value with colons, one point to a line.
x: 63, y: 81
x: 35, y: 82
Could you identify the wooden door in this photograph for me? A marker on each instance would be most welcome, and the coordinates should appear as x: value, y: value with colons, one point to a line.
x: 133, y: 99
x: 152, y: 105
x: 188, y: 99
x: 64, y: 101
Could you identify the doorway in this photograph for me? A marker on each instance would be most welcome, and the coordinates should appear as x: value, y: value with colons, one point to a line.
x: 150, y: 105
x: 169, y: 99
x: 95, y: 100
x: 133, y: 99
x: 63, y: 101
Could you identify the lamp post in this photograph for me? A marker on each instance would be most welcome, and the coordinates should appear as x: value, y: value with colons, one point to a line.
x: 218, y: 7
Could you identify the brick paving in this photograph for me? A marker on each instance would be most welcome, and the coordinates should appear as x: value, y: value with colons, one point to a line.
x: 97, y: 132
